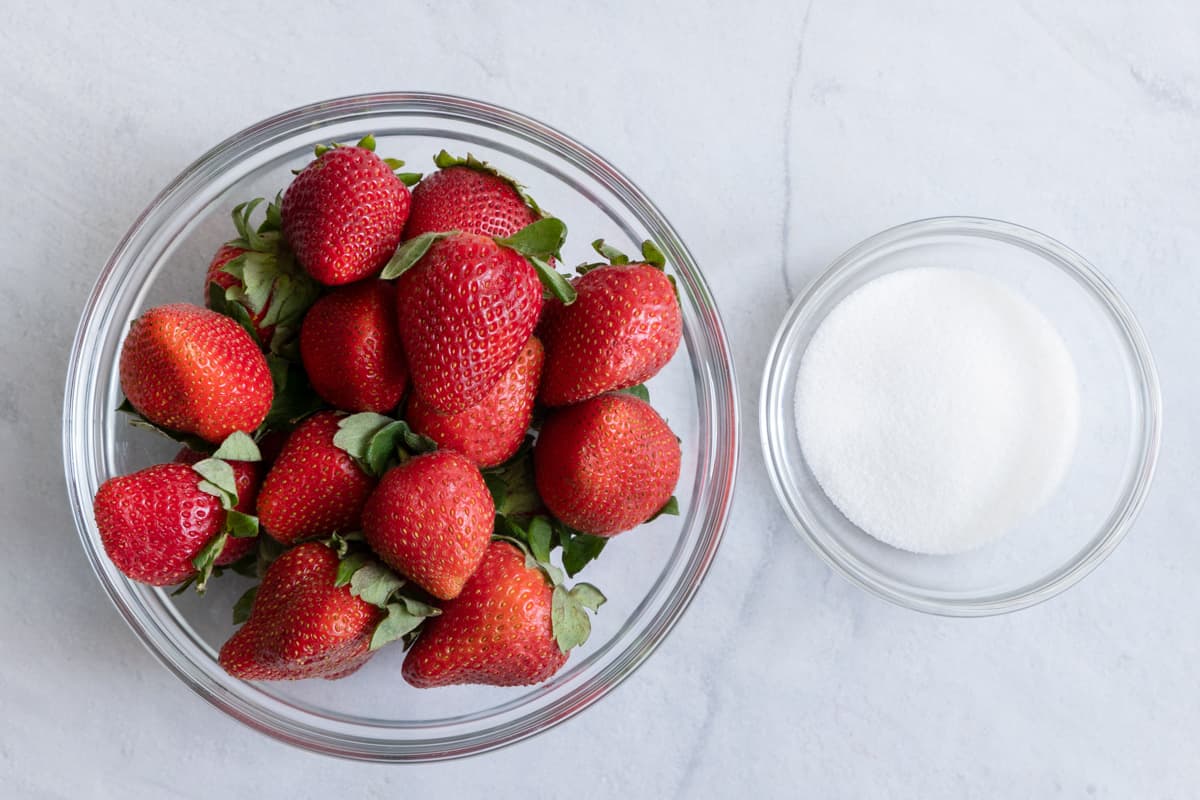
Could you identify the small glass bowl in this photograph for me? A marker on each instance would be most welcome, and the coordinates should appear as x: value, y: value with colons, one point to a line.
x: 649, y: 575
x: 1106, y: 483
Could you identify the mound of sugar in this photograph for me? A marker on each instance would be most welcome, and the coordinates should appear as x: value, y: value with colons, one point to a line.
x: 937, y: 408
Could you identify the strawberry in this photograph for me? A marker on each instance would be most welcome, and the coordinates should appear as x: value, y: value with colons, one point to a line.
x: 430, y: 519
x: 314, y: 488
x: 344, y: 213
x: 607, y: 464
x: 502, y: 629
x: 489, y: 432
x: 623, y: 328
x: 351, y: 350
x: 216, y: 274
x: 467, y: 305
x: 465, y: 311
x: 302, y: 624
x: 247, y: 476
x: 192, y: 370
x: 173, y: 522
x: 256, y: 278
x: 154, y: 522
x: 468, y: 195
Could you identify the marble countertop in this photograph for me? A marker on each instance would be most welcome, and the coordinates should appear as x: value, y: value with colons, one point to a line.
x: 773, y: 135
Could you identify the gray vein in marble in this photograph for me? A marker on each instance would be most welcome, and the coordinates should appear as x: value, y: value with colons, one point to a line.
x: 785, y: 243
x: 1153, y: 86
x: 8, y: 404
x: 1069, y: 50
x: 686, y: 775
x: 483, y: 65
x: 718, y: 666
x: 1163, y: 92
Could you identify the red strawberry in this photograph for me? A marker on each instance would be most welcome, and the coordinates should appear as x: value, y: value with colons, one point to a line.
x: 489, y: 432
x: 257, y: 273
x: 344, y: 213
x: 431, y: 518
x: 607, y: 464
x: 154, y: 522
x: 466, y: 310
x: 216, y: 274
x: 351, y: 349
x: 196, y: 371
x: 314, y: 488
x: 622, y: 329
x: 248, y: 476
x: 501, y: 629
x: 470, y: 196
x: 302, y: 625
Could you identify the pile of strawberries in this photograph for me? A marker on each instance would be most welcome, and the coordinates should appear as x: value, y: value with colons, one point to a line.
x: 394, y: 411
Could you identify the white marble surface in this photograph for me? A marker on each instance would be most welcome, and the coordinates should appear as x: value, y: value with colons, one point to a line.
x: 774, y: 135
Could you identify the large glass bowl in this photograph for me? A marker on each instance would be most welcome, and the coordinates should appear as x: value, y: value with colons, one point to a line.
x: 649, y: 575
x: 1106, y: 483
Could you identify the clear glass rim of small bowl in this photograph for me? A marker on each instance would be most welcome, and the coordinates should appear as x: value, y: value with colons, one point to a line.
x: 713, y: 375
x: 1138, y: 479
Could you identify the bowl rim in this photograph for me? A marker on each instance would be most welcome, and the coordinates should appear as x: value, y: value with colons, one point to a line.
x: 1148, y: 393
x: 722, y: 463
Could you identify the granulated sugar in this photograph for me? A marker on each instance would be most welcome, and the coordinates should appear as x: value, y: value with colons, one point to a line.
x: 937, y: 408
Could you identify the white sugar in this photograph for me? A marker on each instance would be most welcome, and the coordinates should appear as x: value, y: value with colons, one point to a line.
x: 937, y: 409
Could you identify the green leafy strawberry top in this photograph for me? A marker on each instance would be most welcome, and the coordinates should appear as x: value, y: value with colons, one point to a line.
x: 217, y: 478
x: 569, y: 605
x: 271, y: 291
x: 379, y: 442
x: 538, y: 242
x: 372, y: 582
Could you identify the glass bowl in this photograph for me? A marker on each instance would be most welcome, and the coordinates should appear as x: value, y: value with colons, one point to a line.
x: 1112, y: 467
x: 649, y: 575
